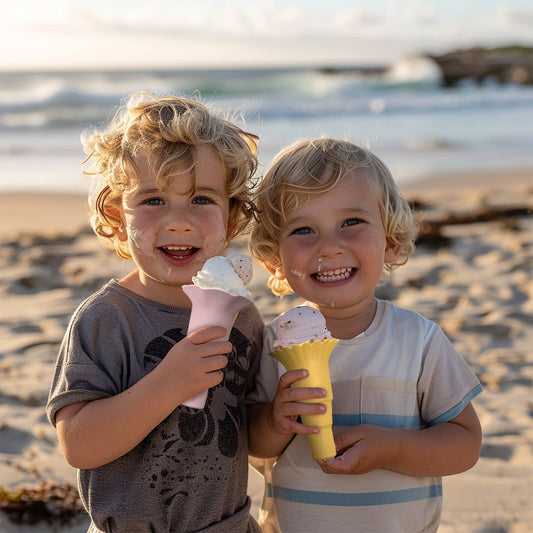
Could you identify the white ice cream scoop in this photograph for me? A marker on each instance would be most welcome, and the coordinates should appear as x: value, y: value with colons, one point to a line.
x: 220, y: 273
x: 300, y: 324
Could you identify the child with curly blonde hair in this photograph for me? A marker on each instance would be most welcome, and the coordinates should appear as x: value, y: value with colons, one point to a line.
x: 330, y: 223
x: 174, y: 187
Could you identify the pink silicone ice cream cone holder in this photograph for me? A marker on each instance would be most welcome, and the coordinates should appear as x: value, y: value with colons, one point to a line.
x: 211, y: 307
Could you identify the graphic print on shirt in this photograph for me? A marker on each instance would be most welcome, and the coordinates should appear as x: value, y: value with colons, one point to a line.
x: 171, y: 452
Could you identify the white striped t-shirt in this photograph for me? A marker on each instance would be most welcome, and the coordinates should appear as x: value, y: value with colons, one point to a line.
x: 403, y: 373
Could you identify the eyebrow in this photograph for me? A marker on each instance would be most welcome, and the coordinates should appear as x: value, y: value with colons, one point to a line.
x: 208, y: 189
x: 199, y: 189
x: 353, y: 211
x: 148, y: 191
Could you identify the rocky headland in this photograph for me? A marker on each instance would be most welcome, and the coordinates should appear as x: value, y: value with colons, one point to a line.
x: 512, y: 64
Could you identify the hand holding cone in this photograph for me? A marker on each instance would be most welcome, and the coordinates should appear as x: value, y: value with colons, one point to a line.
x: 216, y: 299
x: 305, y: 322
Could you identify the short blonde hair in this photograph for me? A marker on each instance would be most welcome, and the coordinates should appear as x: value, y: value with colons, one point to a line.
x: 165, y: 131
x: 310, y: 168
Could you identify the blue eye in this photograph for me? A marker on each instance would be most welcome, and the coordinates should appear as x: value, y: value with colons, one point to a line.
x: 301, y: 231
x: 202, y: 200
x: 153, y: 201
x: 353, y: 222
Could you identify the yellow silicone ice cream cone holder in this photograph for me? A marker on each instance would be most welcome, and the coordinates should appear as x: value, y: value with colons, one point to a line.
x: 314, y: 357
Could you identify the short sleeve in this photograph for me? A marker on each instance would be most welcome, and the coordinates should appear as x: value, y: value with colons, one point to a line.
x: 85, y: 369
x: 447, y: 384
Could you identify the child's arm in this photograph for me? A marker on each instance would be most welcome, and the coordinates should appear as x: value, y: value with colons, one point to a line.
x: 95, y: 433
x: 272, y: 426
x: 440, y: 450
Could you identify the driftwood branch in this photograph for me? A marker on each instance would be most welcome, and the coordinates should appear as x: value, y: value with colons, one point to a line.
x: 431, y: 227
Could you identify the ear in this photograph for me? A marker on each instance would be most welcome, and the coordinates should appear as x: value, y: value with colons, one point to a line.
x: 278, y: 273
x: 120, y: 231
x: 392, y: 251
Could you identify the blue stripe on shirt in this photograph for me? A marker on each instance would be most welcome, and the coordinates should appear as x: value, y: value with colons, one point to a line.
x: 454, y: 411
x: 403, y: 421
x: 362, y: 499
x: 386, y: 421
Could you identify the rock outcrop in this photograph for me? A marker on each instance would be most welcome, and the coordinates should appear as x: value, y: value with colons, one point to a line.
x: 511, y: 64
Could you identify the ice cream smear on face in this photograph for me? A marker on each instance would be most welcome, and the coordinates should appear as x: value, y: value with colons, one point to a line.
x: 299, y: 325
x: 230, y: 274
x: 142, y: 239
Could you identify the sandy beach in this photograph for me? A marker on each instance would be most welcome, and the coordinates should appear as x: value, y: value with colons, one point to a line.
x: 471, y: 273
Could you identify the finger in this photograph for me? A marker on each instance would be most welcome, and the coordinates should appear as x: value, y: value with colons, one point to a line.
x: 332, y: 465
x: 291, y: 426
x: 292, y: 376
x: 304, y: 394
x: 214, y: 378
x: 208, y: 347
x: 351, y: 461
x: 323, y: 465
x: 296, y: 409
x: 212, y: 367
x: 347, y: 438
x: 214, y: 363
x: 299, y: 393
x: 327, y: 467
x: 207, y: 334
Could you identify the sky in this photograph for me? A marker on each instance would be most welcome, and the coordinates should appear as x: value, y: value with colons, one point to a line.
x: 110, y: 34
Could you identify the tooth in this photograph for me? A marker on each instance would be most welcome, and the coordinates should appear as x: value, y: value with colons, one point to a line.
x: 334, y: 275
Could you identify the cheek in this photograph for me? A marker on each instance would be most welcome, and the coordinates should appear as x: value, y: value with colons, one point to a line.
x: 294, y: 255
x: 294, y: 263
x: 217, y: 228
x: 142, y: 239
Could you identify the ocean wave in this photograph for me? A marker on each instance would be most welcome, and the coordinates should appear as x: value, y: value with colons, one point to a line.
x: 38, y: 100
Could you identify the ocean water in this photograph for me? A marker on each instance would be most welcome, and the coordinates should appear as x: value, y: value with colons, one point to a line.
x: 402, y: 114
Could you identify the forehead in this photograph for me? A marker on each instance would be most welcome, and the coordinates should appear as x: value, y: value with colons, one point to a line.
x: 353, y: 186
x: 209, y: 165
x: 197, y: 166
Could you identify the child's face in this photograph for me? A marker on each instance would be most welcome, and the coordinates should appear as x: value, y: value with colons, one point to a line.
x: 333, y: 249
x: 171, y: 233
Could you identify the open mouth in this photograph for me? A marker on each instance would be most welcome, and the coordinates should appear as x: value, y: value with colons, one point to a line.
x: 334, y: 275
x: 178, y: 252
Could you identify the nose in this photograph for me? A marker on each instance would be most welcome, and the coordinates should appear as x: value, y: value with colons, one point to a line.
x: 178, y: 220
x: 329, y: 247
x: 329, y: 252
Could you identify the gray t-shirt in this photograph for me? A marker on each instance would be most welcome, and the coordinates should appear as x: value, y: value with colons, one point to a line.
x: 190, y: 473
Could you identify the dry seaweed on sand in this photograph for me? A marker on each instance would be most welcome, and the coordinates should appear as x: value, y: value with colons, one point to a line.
x: 57, y: 504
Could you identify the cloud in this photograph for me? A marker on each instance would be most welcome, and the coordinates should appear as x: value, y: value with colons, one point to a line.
x: 510, y: 17
x: 105, y: 33
x: 357, y: 19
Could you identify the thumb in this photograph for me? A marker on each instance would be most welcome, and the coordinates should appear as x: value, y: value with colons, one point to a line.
x: 346, y: 439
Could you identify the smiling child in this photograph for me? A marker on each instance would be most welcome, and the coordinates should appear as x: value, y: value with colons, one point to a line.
x: 330, y: 223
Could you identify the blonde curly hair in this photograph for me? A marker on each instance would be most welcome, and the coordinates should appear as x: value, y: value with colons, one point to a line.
x: 309, y: 168
x: 164, y: 130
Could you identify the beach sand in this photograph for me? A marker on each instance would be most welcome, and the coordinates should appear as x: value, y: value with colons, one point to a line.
x: 472, y: 276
